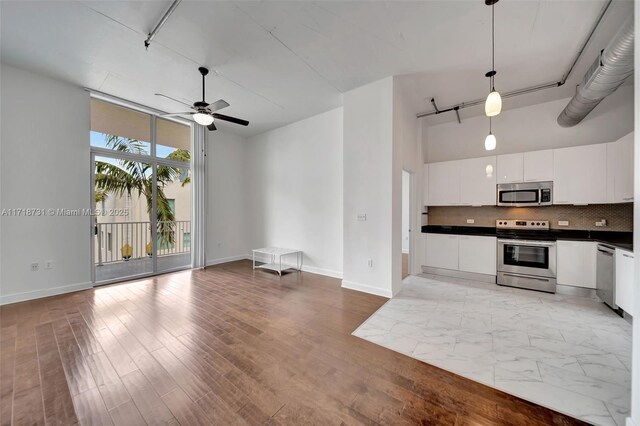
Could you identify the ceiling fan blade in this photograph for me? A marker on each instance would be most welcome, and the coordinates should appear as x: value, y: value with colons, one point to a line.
x: 218, y: 105
x: 173, y: 99
x: 176, y: 113
x: 211, y: 127
x: 231, y: 119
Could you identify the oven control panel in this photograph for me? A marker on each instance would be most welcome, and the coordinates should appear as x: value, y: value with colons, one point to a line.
x: 522, y: 224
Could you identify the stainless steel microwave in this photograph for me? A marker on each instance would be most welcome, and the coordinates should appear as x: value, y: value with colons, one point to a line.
x: 528, y: 194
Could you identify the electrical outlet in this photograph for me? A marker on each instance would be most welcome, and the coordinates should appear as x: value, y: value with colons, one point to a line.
x: 563, y: 223
x: 35, y: 266
x: 362, y: 217
x: 471, y: 221
x: 370, y: 263
x: 48, y: 264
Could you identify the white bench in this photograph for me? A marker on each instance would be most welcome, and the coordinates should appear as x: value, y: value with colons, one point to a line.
x: 275, y: 255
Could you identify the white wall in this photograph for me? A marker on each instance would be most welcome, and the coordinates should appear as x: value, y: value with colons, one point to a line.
x: 368, y: 183
x: 44, y: 164
x: 634, y: 420
x: 227, y: 202
x: 294, y: 189
x: 406, y: 214
x: 529, y: 129
x: 407, y: 147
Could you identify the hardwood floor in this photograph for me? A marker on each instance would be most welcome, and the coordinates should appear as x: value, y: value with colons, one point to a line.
x: 405, y: 265
x: 226, y: 346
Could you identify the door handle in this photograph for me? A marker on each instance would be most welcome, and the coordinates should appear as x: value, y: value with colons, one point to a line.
x: 529, y: 278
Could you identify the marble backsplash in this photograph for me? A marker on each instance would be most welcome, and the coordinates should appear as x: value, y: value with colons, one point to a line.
x: 619, y: 216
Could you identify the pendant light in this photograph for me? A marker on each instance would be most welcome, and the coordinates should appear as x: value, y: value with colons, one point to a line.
x: 490, y: 140
x: 493, y: 104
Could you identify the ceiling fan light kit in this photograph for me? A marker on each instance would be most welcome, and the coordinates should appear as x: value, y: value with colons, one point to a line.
x: 203, y: 112
x: 203, y: 119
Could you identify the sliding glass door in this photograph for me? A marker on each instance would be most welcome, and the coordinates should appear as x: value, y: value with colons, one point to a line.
x: 141, y: 193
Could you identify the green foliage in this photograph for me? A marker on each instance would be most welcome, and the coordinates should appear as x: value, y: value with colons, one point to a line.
x: 126, y: 177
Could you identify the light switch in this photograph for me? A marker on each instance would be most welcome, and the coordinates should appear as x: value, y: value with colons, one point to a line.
x: 362, y: 217
x: 471, y: 221
x: 563, y: 223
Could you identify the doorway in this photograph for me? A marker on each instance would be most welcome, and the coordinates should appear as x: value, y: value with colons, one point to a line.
x: 406, y: 223
x: 140, y: 194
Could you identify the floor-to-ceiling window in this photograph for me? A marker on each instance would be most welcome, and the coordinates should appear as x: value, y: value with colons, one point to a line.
x: 141, y: 193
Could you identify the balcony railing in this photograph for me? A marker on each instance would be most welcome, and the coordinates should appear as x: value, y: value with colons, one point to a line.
x: 124, y: 241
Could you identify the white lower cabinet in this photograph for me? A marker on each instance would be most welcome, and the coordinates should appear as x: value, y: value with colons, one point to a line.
x: 477, y: 254
x: 442, y: 251
x: 624, y: 280
x: 576, y: 262
x: 466, y: 253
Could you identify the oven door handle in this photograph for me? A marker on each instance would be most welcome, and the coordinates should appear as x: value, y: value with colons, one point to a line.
x: 527, y: 243
x: 527, y: 277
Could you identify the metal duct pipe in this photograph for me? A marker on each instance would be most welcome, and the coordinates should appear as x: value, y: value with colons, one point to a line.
x: 608, y: 72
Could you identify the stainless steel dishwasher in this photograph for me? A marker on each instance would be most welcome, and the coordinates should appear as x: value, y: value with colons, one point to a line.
x: 605, y: 275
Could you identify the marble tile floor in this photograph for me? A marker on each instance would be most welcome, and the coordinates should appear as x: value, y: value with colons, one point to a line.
x: 571, y: 354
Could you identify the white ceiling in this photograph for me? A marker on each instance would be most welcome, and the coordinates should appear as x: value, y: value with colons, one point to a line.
x: 277, y: 62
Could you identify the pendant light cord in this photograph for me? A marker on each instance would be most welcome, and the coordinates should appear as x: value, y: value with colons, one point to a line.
x: 493, y: 46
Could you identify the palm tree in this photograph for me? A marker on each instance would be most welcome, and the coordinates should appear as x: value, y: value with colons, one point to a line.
x: 135, y: 177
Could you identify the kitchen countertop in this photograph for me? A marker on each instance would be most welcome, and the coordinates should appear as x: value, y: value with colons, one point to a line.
x: 619, y: 239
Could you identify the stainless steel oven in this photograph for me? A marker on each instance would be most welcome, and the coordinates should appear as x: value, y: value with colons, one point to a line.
x: 525, y: 194
x: 527, y: 264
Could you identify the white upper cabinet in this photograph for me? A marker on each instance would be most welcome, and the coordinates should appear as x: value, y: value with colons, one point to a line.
x: 588, y: 174
x: 620, y: 170
x: 538, y: 166
x: 444, y: 183
x: 478, y: 181
x: 510, y: 168
x: 580, y: 175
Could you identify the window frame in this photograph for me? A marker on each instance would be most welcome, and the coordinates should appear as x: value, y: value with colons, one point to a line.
x: 150, y: 159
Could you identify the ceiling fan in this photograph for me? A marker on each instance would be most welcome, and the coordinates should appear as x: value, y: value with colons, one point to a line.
x: 204, y: 113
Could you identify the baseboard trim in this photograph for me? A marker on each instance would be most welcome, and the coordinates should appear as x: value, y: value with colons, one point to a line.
x: 322, y: 271
x: 352, y: 285
x: 38, y: 294
x: 305, y: 268
x: 227, y: 259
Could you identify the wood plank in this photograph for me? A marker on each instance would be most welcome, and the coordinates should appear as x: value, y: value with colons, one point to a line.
x: 109, y: 384
x: 184, y: 409
x: 151, y: 407
x: 90, y: 409
x: 127, y: 414
x: 58, y: 403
